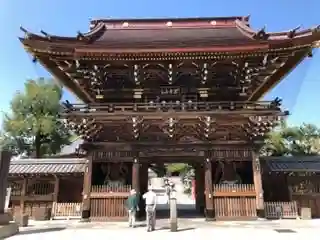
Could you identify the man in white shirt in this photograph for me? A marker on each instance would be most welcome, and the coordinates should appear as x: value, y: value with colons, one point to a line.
x: 151, y: 202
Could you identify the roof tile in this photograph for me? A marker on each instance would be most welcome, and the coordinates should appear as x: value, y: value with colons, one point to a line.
x: 293, y: 164
x: 57, y: 166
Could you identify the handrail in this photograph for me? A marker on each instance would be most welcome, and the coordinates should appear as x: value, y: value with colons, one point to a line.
x: 176, y: 106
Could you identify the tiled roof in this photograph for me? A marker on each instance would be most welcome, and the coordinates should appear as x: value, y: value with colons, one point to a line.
x: 71, y: 148
x: 293, y: 164
x: 46, y: 165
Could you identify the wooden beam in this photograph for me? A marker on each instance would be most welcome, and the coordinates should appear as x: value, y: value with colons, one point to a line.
x: 169, y: 159
x: 99, y: 51
x: 159, y: 115
x: 275, y: 78
x: 63, y: 78
x: 164, y: 144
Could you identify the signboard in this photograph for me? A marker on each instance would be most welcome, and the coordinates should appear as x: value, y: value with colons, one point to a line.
x: 168, y: 90
x: 7, y: 200
x: 231, y: 153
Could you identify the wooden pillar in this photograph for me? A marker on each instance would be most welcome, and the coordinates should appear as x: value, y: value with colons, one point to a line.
x: 87, y: 188
x: 4, y: 171
x: 210, y: 211
x: 143, y: 188
x: 5, y: 158
x: 23, y: 195
x: 136, y: 175
x: 55, y: 195
x: 197, y: 182
x: 199, y: 185
x: 136, y: 182
x: 56, y: 188
x: 257, y: 180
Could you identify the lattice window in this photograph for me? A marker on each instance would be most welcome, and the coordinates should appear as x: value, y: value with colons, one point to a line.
x: 305, y: 186
x: 41, y: 188
x: 16, y: 188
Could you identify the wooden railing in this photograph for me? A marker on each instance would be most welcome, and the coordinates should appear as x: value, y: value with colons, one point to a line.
x: 110, y: 188
x: 108, y: 202
x: 66, y: 210
x: 224, y: 190
x: 234, y: 201
x: 235, y: 208
x: 281, y: 210
x: 111, y: 208
x: 176, y: 106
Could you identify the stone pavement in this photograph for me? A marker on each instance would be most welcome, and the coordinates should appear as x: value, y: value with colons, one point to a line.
x: 189, y: 228
x: 139, y: 233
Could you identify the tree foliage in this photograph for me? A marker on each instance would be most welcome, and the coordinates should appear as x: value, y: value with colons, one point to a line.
x: 298, y: 140
x: 33, y: 127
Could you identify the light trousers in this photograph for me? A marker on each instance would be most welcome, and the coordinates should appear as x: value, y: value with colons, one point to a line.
x: 132, y: 218
x: 151, y: 217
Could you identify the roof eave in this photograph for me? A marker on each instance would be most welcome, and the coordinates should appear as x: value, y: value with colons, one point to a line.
x: 173, y: 19
x: 58, y: 75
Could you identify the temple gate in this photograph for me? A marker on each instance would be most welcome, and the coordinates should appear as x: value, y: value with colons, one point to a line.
x: 170, y: 90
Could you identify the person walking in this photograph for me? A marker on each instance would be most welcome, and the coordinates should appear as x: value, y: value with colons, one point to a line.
x: 151, y: 202
x: 132, y: 206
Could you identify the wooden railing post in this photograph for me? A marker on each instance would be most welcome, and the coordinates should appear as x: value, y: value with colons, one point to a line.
x: 210, y: 211
x: 257, y: 179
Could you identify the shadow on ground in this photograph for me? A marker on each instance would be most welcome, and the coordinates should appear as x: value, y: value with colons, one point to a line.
x: 183, y: 212
x: 179, y: 229
x: 43, y: 230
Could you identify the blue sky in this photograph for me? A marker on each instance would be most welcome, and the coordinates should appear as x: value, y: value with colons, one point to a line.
x: 299, y: 90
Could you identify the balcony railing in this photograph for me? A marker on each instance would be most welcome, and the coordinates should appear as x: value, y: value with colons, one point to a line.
x: 172, y: 106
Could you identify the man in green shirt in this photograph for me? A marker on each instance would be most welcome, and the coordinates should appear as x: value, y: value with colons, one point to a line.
x: 132, y: 207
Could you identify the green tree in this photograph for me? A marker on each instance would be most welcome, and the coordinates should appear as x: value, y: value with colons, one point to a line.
x: 297, y: 140
x: 275, y: 143
x: 33, y: 127
x: 304, y: 140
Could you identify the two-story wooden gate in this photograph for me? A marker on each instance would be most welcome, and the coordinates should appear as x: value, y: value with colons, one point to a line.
x: 237, y: 201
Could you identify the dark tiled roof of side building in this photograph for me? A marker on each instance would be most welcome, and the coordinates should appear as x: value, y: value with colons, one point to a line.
x: 47, y: 166
x: 292, y: 164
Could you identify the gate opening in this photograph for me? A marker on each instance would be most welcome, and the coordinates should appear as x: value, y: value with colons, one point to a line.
x: 182, y: 176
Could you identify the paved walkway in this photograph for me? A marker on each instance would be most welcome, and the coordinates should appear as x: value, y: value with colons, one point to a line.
x: 188, y: 228
x: 139, y: 233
